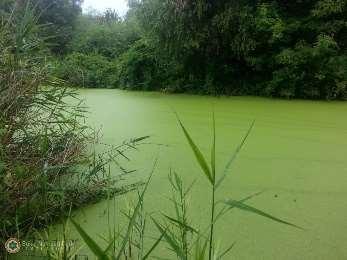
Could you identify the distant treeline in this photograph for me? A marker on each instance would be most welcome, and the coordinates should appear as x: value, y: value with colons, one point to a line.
x: 279, y: 48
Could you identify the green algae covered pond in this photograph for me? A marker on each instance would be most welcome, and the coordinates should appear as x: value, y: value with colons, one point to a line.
x: 296, y: 154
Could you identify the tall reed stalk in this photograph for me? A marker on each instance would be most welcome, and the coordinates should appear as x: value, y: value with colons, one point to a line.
x: 209, y: 171
x: 135, y: 222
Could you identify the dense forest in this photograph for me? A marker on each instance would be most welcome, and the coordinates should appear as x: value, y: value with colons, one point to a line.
x: 290, y: 49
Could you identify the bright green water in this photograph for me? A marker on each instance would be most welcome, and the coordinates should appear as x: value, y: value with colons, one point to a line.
x: 296, y: 153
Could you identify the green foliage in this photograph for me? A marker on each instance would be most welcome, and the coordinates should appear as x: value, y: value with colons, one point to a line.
x: 329, y: 7
x: 60, y: 17
x: 47, y: 164
x: 61, y: 250
x: 5, y: 7
x: 109, y: 39
x: 138, y: 68
x: 315, y: 71
x: 242, y: 206
x: 106, y: 52
x: 178, y: 232
x: 199, y: 156
x: 93, y: 246
x: 41, y: 137
x: 241, y: 47
x: 57, y: 16
x: 87, y: 70
x: 290, y: 49
x: 124, y: 240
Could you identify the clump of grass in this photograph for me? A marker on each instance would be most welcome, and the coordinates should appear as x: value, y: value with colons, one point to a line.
x: 62, y: 249
x: 121, y: 246
x: 177, y: 230
x: 47, y: 160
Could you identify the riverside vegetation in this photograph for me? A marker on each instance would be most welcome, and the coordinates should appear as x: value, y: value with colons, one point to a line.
x: 47, y: 161
x: 289, y: 49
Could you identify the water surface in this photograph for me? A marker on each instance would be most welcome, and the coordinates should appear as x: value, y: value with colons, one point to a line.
x: 296, y: 153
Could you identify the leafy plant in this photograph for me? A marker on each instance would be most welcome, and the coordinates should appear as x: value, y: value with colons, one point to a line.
x: 180, y: 245
x: 87, y: 70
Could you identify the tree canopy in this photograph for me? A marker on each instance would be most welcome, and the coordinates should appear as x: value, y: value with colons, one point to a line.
x: 289, y: 49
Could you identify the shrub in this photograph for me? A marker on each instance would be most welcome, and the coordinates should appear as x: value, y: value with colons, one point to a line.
x: 109, y: 39
x: 87, y: 70
x: 315, y: 71
x: 139, y: 69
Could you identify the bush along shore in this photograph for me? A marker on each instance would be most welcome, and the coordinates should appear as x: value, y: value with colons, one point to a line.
x: 288, y: 49
x: 48, y: 163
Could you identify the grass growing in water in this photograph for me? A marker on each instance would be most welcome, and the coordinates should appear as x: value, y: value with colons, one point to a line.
x: 209, y: 171
x: 186, y: 241
x: 121, y: 252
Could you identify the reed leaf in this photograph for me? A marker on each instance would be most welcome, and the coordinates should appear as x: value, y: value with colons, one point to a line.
x: 200, y: 251
x: 93, y: 246
x: 242, y: 206
x: 134, y: 215
x: 233, y: 157
x: 170, y: 240
x: 181, y: 224
x: 226, y: 251
x: 153, y: 246
x: 198, y: 155
x: 213, y: 148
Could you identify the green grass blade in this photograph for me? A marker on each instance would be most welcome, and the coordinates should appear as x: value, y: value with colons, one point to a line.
x: 138, y: 139
x: 213, y: 149
x: 222, y: 212
x: 170, y: 240
x: 233, y: 157
x: 74, y: 253
x: 226, y: 251
x: 153, y: 246
x: 134, y: 215
x: 242, y: 206
x: 93, y: 246
x: 108, y: 248
x: 227, y: 208
x: 198, y: 155
x: 200, y: 251
x: 175, y: 221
